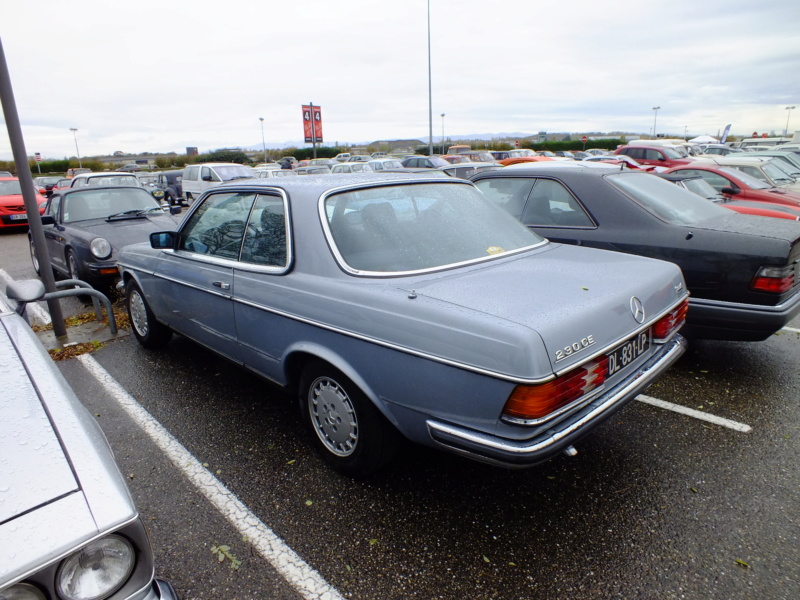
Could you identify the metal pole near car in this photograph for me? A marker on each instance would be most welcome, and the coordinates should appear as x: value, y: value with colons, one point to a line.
x: 789, y: 110
x: 655, y: 110
x: 430, y: 93
x: 74, y: 131
x: 29, y: 194
x: 442, y: 133
x: 263, y: 143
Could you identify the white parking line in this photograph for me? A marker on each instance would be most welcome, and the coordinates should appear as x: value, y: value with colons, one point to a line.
x: 791, y: 329
x: 305, y: 580
x: 697, y: 414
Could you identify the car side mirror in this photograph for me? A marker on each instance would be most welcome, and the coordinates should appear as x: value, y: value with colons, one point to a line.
x: 161, y: 240
x: 48, y: 220
x: 730, y: 190
x: 174, y: 210
x: 662, y: 159
x: 208, y: 178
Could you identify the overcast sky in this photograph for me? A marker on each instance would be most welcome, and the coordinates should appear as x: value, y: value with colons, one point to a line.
x: 160, y: 76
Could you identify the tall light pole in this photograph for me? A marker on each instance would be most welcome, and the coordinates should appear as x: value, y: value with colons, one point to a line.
x: 655, y: 117
x: 430, y: 93
x: 75, y: 135
x: 442, y: 133
x: 263, y: 143
x: 789, y: 110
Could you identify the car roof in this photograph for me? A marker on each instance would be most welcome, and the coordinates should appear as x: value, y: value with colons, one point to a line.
x: 754, y: 161
x: 216, y: 164
x: 550, y: 170
x: 99, y: 188
x: 103, y: 174
x: 318, y: 184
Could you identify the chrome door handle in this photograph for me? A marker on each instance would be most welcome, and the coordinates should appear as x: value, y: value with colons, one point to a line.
x: 222, y: 285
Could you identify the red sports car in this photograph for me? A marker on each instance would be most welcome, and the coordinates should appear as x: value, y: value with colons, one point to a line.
x: 12, y: 206
x: 760, y: 208
x: 732, y: 182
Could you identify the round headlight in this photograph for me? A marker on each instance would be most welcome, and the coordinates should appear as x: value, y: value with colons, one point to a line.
x: 96, y: 571
x: 22, y: 591
x: 100, y: 248
x: 158, y: 194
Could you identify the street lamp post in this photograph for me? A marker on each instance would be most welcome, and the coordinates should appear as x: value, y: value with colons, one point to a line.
x: 789, y: 110
x: 75, y: 136
x: 430, y: 92
x: 263, y: 143
x: 442, y: 133
x: 655, y: 117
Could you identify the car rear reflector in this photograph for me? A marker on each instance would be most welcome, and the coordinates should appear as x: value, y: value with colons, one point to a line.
x: 670, y: 323
x: 533, y: 402
x: 775, y: 280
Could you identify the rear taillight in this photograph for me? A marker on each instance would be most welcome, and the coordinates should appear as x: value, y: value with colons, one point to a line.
x: 670, y: 323
x: 774, y: 280
x: 534, y: 402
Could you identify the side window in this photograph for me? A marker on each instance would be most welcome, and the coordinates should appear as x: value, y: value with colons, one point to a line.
x: 190, y: 174
x: 753, y: 172
x: 716, y: 181
x: 651, y: 154
x: 508, y: 193
x: 265, y: 238
x: 55, y: 204
x: 552, y: 204
x: 218, y: 227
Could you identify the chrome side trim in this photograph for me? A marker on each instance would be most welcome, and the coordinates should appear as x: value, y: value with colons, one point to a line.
x: 391, y: 346
x: 417, y: 353
x: 777, y: 308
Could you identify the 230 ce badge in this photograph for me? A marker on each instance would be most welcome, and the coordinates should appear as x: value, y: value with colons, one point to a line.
x: 574, y: 348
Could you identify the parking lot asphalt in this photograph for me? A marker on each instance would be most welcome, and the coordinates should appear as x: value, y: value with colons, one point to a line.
x: 657, y: 504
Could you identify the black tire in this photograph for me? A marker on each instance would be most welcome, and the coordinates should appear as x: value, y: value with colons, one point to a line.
x: 148, y: 331
x: 345, y: 427
x: 73, y: 269
x: 34, y: 260
x: 74, y: 272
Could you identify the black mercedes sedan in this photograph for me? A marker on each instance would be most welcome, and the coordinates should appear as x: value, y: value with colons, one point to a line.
x: 85, y: 228
x: 743, y: 271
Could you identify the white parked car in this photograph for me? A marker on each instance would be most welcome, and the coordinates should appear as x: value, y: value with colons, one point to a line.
x: 352, y: 167
x: 198, y: 178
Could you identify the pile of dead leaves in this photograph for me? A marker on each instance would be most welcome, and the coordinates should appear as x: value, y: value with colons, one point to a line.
x: 73, y: 350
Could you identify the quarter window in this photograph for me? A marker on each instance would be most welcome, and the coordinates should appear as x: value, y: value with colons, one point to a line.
x: 509, y: 193
x: 551, y: 204
x: 265, y: 237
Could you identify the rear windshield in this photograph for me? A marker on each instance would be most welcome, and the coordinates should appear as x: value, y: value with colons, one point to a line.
x: 403, y: 228
x: 666, y: 200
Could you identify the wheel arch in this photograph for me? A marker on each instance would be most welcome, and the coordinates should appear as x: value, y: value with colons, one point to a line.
x: 299, y: 355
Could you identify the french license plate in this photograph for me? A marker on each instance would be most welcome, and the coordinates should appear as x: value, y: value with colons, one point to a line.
x: 628, y: 352
x: 18, y: 217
